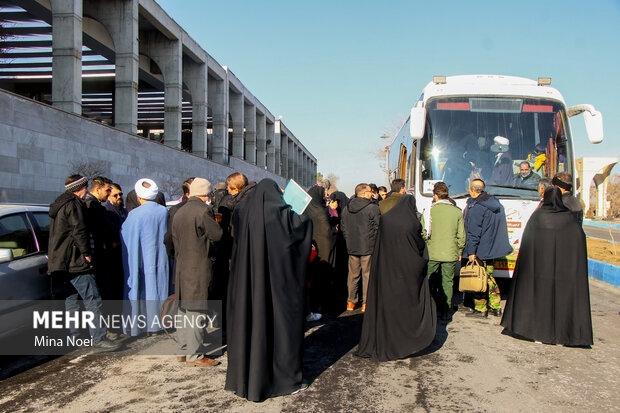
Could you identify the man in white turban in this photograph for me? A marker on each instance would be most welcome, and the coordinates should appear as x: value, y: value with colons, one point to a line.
x: 502, y: 174
x: 145, y: 260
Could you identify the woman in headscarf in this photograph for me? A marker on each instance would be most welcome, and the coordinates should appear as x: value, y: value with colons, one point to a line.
x: 323, y: 241
x: 340, y: 257
x: 550, y: 298
x: 400, y: 318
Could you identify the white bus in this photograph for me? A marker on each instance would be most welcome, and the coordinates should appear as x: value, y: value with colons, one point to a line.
x: 485, y: 126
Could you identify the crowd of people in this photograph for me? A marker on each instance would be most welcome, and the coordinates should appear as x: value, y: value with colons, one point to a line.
x: 275, y: 270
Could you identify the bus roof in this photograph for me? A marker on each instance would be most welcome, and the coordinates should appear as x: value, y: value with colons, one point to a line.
x: 490, y: 85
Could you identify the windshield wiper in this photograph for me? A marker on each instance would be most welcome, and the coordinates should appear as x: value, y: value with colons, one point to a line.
x: 511, y: 187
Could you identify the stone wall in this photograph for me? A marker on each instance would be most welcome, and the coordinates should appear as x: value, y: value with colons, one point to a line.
x: 41, y: 145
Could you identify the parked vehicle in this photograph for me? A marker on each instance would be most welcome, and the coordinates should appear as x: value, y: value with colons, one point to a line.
x: 24, y: 232
x: 468, y: 126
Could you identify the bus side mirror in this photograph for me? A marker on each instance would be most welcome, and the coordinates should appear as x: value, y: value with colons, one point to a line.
x: 593, y: 120
x: 417, y: 123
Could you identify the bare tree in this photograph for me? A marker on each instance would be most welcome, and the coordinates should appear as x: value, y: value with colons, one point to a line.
x: 380, y: 149
x: 88, y: 169
x: 170, y: 187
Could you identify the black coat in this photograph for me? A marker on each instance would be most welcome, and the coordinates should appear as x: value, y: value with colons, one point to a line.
x: 193, y: 230
x: 360, y: 224
x: 573, y: 205
x: 69, y: 240
x: 102, y: 230
x: 168, y: 235
x: 265, y: 313
x: 400, y: 317
x: 323, y: 234
x: 550, y: 299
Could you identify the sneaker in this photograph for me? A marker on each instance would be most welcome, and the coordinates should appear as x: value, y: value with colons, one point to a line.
x: 106, y: 345
x: 496, y: 313
x: 350, y: 306
x: 313, y: 317
x: 477, y: 314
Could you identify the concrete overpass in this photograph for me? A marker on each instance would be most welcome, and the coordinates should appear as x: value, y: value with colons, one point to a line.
x: 127, y: 64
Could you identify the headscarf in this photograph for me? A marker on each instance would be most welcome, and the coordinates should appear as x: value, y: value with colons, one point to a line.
x: 552, y: 200
x: 317, y: 193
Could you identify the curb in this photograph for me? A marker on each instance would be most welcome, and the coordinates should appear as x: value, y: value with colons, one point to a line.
x: 603, y: 271
x: 600, y: 224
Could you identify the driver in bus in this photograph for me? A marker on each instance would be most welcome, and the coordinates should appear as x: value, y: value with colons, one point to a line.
x: 526, y: 178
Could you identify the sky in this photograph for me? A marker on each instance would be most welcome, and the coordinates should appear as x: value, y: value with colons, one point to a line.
x: 343, y: 72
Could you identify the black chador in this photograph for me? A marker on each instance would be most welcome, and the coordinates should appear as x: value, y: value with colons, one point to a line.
x: 550, y: 297
x: 400, y: 317
x: 265, y: 317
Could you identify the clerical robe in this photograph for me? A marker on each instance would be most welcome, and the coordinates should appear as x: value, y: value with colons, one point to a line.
x: 145, y: 264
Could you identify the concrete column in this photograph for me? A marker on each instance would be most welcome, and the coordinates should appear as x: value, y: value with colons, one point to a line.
x: 284, y: 156
x: 279, y: 149
x: 292, y: 160
x: 300, y: 166
x: 195, y: 77
x: 235, y: 105
x: 67, y: 55
x: 168, y: 54
x: 270, y: 139
x: 304, y: 176
x: 261, y: 143
x: 313, y: 172
x: 120, y: 18
x: 218, y: 101
x: 249, y: 137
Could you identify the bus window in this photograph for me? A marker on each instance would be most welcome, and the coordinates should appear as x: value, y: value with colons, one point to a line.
x: 412, y: 167
x: 402, y: 162
x: 488, y: 138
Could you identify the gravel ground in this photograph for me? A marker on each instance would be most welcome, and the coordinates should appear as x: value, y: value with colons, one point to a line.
x: 470, y: 366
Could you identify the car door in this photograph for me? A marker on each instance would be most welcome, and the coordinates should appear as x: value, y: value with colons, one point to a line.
x: 24, y: 279
x: 59, y: 287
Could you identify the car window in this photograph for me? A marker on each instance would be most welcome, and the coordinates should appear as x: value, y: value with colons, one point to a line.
x: 43, y: 229
x: 15, y: 234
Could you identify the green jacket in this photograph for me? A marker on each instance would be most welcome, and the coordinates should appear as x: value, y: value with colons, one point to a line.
x: 447, y: 232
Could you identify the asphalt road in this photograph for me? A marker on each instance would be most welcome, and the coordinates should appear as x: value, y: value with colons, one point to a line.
x: 602, y: 233
x: 470, y: 366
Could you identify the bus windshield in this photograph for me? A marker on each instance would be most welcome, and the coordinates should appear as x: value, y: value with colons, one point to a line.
x: 511, y: 143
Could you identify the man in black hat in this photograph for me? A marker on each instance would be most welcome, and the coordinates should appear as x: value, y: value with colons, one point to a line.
x: 70, y: 255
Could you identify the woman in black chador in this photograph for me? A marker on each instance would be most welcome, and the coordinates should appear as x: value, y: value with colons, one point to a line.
x: 550, y: 297
x: 400, y: 317
x: 265, y: 321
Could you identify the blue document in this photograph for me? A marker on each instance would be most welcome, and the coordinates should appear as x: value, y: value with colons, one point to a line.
x: 296, y: 197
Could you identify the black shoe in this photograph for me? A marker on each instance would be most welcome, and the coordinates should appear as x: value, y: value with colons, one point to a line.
x: 106, y: 345
x: 463, y: 309
x: 477, y: 314
x: 496, y: 313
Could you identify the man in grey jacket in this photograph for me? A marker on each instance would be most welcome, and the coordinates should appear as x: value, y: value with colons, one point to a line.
x: 193, y: 230
x: 360, y: 225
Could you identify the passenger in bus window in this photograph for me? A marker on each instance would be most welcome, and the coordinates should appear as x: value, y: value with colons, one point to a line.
x: 502, y: 166
x: 526, y: 178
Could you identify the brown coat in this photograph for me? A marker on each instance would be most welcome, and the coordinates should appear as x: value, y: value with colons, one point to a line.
x: 193, y: 229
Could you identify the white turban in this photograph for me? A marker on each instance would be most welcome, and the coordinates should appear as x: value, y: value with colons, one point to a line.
x: 500, y: 144
x: 149, y: 193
